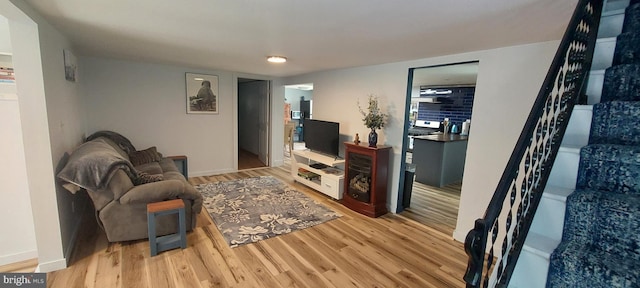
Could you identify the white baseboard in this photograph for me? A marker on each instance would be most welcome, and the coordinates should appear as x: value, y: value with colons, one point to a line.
x: 52, y: 266
x: 17, y: 257
x: 210, y: 172
x: 277, y: 163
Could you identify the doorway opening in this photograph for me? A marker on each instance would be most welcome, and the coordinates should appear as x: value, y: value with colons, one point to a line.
x: 253, y: 123
x: 439, y: 105
x: 298, y: 107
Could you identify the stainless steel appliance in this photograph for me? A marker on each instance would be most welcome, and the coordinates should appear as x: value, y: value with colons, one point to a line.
x: 422, y: 127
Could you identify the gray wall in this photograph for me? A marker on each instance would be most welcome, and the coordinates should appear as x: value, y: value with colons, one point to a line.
x: 498, y: 116
x: 146, y: 103
x: 292, y: 96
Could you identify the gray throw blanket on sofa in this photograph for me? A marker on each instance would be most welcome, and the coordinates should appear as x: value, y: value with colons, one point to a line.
x: 92, y: 165
x: 117, y: 138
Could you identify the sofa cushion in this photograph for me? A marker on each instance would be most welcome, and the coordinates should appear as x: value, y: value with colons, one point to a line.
x: 144, y: 178
x: 168, y: 165
x: 173, y: 175
x: 119, y: 185
x: 144, y: 156
x: 151, y: 168
x: 155, y: 192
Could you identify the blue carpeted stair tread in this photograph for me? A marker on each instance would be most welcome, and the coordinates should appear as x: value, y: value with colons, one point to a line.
x: 627, y: 48
x: 621, y: 82
x: 605, y: 221
x: 631, y: 18
x: 600, y: 244
x: 609, y: 167
x: 574, y: 264
x: 616, y: 122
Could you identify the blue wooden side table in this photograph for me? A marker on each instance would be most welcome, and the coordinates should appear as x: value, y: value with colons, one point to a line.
x: 181, y: 163
x: 171, y: 241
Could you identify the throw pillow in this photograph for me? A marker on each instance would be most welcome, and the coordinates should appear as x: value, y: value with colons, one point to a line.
x: 144, y: 178
x: 144, y: 156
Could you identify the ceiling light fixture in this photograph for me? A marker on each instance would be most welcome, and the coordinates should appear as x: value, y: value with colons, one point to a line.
x: 277, y: 59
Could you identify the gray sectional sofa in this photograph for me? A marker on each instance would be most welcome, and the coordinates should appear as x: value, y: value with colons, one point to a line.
x: 121, y: 181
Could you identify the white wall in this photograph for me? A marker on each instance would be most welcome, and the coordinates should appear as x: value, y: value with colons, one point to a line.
x: 5, y: 40
x: 65, y: 116
x: 5, y: 61
x: 508, y: 81
x: 37, y: 57
x: 277, y: 134
x: 18, y: 242
x: 146, y: 103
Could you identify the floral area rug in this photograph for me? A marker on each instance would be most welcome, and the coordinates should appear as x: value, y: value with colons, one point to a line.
x: 253, y: 209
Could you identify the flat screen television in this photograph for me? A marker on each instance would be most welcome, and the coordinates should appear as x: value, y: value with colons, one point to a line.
x: 322, y: 136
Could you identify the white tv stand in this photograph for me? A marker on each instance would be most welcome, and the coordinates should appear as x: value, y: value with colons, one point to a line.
x: 331, y: 184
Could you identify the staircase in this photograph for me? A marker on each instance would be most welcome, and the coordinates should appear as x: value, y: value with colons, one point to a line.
x: 595, y: 180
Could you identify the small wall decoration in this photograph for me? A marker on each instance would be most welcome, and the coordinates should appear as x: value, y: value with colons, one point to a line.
x: 202, y: 93
x: 70, y: 66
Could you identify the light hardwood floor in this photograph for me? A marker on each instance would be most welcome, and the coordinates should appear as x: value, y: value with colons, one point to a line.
x: 436, y: 207
x: 26, y: 266
x: 351, y: 251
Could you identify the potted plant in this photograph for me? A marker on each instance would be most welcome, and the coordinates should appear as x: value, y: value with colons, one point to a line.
x: 373, y: 119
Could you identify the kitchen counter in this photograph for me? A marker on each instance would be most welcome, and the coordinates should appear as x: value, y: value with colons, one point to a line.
x: 439, y: 158
x: 440, y: 137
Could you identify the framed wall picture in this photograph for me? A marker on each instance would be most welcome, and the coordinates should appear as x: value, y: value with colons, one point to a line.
x: 202, y: 93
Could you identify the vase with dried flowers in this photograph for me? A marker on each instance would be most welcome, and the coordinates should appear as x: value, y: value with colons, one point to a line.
x: 373, y: 119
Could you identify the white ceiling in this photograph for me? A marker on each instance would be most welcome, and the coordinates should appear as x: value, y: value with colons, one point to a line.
x: 237, y: 35
x: 446, y: 75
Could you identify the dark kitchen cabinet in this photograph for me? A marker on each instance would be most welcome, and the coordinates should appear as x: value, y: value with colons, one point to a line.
x: 365, y: 185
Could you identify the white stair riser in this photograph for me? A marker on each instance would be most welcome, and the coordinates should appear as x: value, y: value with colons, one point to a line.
x: 565, y: 170
x: 615, y: 5
x: 531, y: 271
x: 603, y: 54
x: 577, y: 133
x: 594, y: 87
x: 549, y: 218
x: 611, y: 25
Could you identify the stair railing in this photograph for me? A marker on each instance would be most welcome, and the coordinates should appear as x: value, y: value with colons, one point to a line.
x: 508, y: 217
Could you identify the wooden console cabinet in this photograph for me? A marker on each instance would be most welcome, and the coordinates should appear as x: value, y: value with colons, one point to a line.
x: 365, y: 181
